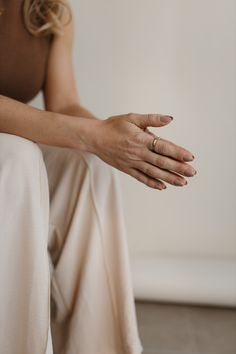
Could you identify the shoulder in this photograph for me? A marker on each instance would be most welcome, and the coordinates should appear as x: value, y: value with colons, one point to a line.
x: 67, y: 26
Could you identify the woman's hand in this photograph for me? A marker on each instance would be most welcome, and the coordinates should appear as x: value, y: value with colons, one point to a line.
x: 124, y: 142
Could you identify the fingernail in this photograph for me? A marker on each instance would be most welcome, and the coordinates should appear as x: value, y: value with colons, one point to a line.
x: 188, y: 158
x: 180, y: 183
x: 190, y: 173
x: 166, y: 119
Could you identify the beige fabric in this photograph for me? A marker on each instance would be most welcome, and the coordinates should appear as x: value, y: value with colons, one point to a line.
x: 65, y: 274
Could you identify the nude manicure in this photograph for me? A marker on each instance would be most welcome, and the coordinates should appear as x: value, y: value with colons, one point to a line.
x: 188, y: 158
x: 166, y: 119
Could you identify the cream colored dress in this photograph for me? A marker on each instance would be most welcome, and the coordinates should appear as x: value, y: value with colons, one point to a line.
x: 65, y: 276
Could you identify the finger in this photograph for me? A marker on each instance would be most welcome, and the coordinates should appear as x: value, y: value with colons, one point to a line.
x: 146, y: 120
x: 149, y: 181
x: 167, y: 148
x: 167, y: 163
x: 158, y: 173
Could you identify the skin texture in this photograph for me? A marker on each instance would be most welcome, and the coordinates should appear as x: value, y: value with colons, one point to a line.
x: 122, y: 141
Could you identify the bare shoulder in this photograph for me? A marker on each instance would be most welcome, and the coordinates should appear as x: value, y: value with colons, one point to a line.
x: 67, y: 20
x: 60, y: 88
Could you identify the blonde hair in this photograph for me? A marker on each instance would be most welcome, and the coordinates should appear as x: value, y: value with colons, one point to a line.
x: 44, y: 17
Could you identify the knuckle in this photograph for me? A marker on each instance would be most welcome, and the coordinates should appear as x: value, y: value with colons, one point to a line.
x: 171, y: 179
x: 179, y: 153
x: 151, y: 118
x: 145, y: 180
x: 148, y: 182
x: 161, y: 147
x: 184, y: 171
x: 145, y: 169
x: 177, y: 167
x: 130, y: 114
x: 148, y: 171
x: 151, y: 183
x: 161, y: 163
x: 174, y: 182
x: 177, y: 181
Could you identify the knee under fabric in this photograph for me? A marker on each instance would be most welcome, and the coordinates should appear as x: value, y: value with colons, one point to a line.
x: 66, y: 280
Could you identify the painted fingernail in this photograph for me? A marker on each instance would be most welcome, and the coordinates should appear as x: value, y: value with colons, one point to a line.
x: 180, y: 183
x: 166, y: 119
x: 188, y: 158
x: 190, y: 173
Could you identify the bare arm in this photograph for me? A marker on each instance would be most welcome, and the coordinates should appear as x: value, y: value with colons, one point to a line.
x: 121, y: 141
x: 64, y: 123
x: 46, y: 127
x: 61, y: 93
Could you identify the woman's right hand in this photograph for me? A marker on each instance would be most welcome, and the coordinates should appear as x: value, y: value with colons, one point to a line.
x: 124, y: 142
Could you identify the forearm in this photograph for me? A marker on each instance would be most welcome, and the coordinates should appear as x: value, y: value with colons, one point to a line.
x: 77, y: 110
x: 46, y: 127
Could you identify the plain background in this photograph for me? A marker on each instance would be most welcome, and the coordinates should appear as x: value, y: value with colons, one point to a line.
x: 174, y: 57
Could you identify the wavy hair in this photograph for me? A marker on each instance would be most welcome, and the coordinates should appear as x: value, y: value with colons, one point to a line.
x: 44, y: 17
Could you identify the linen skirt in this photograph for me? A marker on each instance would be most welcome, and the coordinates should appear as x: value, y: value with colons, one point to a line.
x: 65, y: 278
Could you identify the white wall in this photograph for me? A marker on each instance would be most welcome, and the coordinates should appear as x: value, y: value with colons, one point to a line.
x: 176, y: 57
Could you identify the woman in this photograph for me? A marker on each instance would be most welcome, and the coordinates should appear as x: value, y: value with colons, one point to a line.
x: 65, y: 274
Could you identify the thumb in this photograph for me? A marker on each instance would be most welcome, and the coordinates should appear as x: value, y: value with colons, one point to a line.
x: 150, y: 120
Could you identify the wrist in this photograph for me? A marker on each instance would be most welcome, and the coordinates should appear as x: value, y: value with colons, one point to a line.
x: 87, y: 137
x: 75, y: 132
